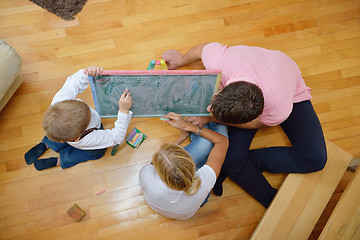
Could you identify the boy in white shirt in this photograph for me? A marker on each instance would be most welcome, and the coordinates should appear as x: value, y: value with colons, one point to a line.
x: 74, y: 130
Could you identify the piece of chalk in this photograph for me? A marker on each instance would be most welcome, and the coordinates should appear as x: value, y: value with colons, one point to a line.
x: 162, y: 119
x: 101, y: 192
x: 135, y: 139
x: 115, y: 148
x: 131, y: 135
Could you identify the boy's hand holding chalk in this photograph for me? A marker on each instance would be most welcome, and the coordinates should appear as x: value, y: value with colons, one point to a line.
x: 125, y: 101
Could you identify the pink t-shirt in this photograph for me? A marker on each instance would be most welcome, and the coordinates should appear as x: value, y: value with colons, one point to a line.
x: 276, y: 74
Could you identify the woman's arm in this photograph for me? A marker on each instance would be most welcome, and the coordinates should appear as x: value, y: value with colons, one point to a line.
x: 182, y: 137
x: 221, y: 143
x: 218, y: 152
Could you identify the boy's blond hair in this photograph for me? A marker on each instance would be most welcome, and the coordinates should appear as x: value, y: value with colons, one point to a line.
x: 65, y: 121
x: 176, y: 168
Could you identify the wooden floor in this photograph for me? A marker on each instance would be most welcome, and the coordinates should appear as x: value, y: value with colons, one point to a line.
x: 322, y: 36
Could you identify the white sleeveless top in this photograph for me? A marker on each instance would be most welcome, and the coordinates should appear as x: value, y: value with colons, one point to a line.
x: 171, y: 203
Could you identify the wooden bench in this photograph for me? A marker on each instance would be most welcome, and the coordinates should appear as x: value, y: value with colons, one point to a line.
x: 301, y: 199
x: 344, y: 222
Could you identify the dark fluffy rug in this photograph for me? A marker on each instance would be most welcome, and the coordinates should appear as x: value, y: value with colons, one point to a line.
x: 66, y: 9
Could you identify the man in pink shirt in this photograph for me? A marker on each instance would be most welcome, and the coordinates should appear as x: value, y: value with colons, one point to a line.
x: 259, y: 88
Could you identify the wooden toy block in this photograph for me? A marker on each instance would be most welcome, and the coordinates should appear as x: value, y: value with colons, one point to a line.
x: 76, y: 213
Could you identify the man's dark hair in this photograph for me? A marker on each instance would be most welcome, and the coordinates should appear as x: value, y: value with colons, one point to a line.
x: 239, y: 102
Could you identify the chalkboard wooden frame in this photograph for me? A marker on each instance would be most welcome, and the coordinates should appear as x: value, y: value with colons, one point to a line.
x: 155, y: 92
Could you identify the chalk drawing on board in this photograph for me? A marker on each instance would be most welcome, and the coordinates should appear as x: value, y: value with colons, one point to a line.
x: 155, y: 93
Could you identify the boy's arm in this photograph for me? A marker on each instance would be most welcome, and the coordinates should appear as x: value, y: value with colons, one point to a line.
x: 176, y: 60
x: 110, y: 137
x: 124, y: 117
x: 76, y: 84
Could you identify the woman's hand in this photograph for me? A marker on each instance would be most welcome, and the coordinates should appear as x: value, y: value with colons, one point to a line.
x: 177, y: 121
x: 183, y: 135
x: 199, y: 121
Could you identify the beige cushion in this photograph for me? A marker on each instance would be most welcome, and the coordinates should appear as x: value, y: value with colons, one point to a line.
x: 10, y: 63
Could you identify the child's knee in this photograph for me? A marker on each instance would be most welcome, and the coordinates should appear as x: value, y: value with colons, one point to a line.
x: 219, y: 128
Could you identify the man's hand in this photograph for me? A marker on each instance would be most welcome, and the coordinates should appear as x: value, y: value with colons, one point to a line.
x: 173, y: 59
x: 200, y: 121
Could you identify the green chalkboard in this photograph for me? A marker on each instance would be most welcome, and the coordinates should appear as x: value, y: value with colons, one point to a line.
x: 155, y: 93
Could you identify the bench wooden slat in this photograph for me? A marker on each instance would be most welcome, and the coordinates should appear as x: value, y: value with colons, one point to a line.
x: 344, y: 222
x: 301, y: 199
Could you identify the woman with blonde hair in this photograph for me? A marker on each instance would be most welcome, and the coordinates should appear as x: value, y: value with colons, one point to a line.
x: 178, y: 181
